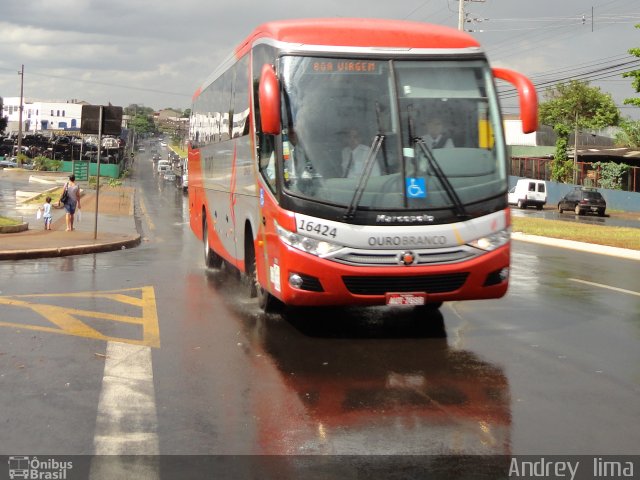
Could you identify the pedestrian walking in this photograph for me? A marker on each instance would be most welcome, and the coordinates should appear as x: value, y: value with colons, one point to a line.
x: 72, y: 202
x: 45, y: 211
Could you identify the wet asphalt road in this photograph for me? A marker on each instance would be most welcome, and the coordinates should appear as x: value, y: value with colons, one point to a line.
x: 549, y: 369
x: 616, y: 219
x: 10, y: 182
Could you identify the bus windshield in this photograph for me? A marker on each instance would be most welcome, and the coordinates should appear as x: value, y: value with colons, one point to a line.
x: 391, y: 134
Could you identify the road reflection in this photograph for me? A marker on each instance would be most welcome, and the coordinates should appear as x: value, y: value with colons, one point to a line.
x: 612, y: 220
x: 369, y: 381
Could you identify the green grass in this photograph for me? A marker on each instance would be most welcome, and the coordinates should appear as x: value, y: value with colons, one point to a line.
x: 182, y: 153
x: 8, y: 222
x: 39, y: 199
x: 622, y: 237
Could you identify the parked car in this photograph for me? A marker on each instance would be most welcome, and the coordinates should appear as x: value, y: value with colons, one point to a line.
x: 8, y: 163
x: 528, y: 193
x: 582, y: 200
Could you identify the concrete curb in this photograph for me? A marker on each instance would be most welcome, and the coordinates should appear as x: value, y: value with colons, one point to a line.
x: 580, y: 246
x: 14, y: 228
x: 132, y: 241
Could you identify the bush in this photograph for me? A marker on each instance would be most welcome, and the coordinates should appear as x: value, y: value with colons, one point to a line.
x: 44, y: 164
x: 611, y: 174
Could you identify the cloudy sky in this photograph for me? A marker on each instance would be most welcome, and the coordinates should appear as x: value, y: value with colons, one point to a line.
x: 156, y: 53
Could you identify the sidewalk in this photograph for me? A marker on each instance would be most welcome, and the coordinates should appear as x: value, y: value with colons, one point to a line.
x: 116, y: 229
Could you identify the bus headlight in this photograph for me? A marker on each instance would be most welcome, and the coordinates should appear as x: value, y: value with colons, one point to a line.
x: 319, y: 248
x: 493, y: 241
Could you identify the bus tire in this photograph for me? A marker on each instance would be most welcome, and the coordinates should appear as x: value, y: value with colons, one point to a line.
x: 251, y: 274
x: 267, y: 302
x: 211, y: 258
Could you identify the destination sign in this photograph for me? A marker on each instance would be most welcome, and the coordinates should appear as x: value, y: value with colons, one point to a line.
x: 344, y: 66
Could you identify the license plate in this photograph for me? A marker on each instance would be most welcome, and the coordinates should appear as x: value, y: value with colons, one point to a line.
x: 594, y: 209
x: 417, y: 298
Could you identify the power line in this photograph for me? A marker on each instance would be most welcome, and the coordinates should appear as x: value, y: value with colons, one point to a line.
x: 107, y: 84
x: 612, y: 70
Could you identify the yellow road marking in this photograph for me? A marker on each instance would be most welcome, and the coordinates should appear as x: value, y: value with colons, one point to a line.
x: 68, y: 319
x: 146, y: 215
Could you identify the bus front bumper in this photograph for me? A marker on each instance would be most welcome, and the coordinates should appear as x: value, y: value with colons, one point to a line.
x: 301, y: 279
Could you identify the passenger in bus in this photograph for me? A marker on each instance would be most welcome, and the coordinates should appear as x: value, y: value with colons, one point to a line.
x: 302, y: 167
x: 354, y: 156
x: 436, y: 136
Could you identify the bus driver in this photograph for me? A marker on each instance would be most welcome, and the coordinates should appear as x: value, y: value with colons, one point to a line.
x: 354, y: 156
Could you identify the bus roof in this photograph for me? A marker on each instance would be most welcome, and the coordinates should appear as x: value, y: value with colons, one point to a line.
x: 361, y: 32
x: 355, y: 32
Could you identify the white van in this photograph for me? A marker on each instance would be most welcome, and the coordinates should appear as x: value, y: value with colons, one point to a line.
x: 163, y: 166
x: 528, y: 193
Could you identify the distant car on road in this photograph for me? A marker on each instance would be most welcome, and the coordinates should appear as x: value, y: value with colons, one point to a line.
x: 583, y: 200
x: 163, y: 166
x: 8, y: 163
x: 528, y: 192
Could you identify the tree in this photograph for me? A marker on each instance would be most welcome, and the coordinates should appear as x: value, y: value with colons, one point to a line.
x: 135, y: 109
x: 572, y: 106
x: 635, y: 74
x: 142, y: 124
x: 629, y: 134
x: 3, y: 123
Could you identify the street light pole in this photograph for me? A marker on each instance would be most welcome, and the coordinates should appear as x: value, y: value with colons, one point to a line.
x: 21, y: 73
x: 575, y: 153
x: 461, y: 13
x: 95, y: 225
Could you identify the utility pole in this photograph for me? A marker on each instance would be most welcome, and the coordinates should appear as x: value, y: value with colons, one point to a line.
x: 95, y: 224
x: 576, y: 178
x: 21, y: 73
x: 461, y: 15
x: 461, y: 12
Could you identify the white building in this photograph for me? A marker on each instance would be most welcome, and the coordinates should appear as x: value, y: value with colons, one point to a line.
x: 38, y: 116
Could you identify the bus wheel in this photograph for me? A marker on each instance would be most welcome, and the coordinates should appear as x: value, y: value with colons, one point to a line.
x: 251, y: 276
x: 211, y: 258
x: 267, y: 302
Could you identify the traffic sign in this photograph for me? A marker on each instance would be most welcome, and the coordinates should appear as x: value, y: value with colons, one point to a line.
x: 111, y: 119
x: 81, y: 170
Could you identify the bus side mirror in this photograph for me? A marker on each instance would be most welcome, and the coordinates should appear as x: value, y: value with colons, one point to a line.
x: 269, y: 98
x: 527, y: 94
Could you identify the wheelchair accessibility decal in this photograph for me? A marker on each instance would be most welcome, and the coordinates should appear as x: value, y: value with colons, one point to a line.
x: 416, y: 187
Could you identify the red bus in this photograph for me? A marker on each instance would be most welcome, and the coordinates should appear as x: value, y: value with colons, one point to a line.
x: 355, y: 162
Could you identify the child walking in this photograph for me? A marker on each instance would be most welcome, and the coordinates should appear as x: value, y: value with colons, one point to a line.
x: 46, y: 213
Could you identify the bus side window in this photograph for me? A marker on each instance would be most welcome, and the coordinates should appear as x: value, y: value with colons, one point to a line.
x: 267, y: 160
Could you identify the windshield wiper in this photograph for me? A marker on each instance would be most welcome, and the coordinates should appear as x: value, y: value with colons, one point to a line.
x: 364, y: 178
x: 458, y: 206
